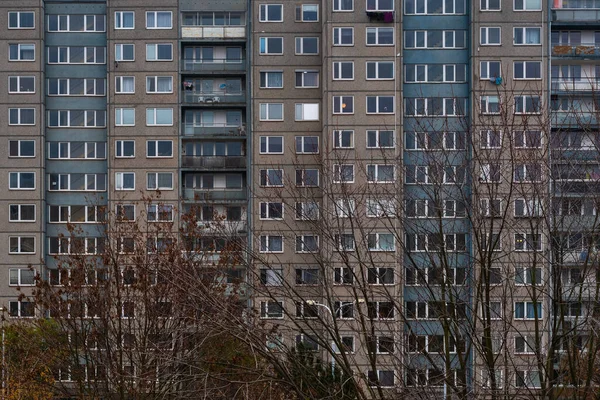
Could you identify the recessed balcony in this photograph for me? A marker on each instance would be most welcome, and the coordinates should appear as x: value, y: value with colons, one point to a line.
x: 215, y: 195
x: 581, y: 51
x: 213, y: 65
x: 213, y: 25
x: 214, y: 162
x: 214, y: 98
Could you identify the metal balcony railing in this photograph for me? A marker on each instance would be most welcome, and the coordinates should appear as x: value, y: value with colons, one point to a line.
x: 214, y: 194
x: 583, y: 50
x: 214, y: 97
x: 214, y: 129
x: 214, y: 161
x: 213, y: 64
x: 576, y: 84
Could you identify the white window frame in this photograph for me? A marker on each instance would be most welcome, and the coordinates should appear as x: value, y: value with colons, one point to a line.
x: 267, y: 172
x: 523, y: 30
x: 338, y: 36
x: 265, y: 140
x: 377, y: 134
x: 377, y: 78
x: 265, y: 74
x: 20, y: 309
x: 339, y: 4
x: 156, y: 78
x: 526, y: 245
x: 119, y: 80
x: 18, y: 81
x: 377, y: 208
x: 156, y: 20
x: 266, y: 40
x: 337, y: 70
x: 524, y: 8
x: 19, y: 278
x: 302, y: 74
x: 301, y: 244
x: 264, y: 10
x: 266, y: 209
x: 523, y: 65
x: 526, y: 317
x: 532, y: 208
x: 484, y: 33
x: 157, y: 59
x: 119, y: 180
x: 119, y: 52
x: 376, y: 7
x: 373, y: 172
x: 525, y: 273
x: 155, y: 211
x: 301, y: 143
x: 157, y: 180
x: 300, y: 13
x: 299, y: 46
x: 120, y: 114
x: 490, y: 139
x: 487, y: 64
x: 301, y: 109
x: 377, y: 38
x: 20, y: 212
x: 266, y: 107
x: 305, y: 213
x: 526, y: 141
x: 19, y: 173
x: 487, y: 102
x: 340, y: 103
x: 155, y: 145
x: 377, y: 236
x: 119, y: 18
x: 19, y: 20
x: 266, y: 248
x: 19, y: 151
x: 20, y: 244
x: 377, y: 105
x: 271, y: 276
x: 120, y: 147
x: 337, y: 173
x: 19, y: 52
x: 154, y: 111
x: 484, y: 5
x: 338, y: 138
x: 18, y: 122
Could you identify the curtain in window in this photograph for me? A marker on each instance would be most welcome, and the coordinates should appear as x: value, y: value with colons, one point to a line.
x: 532, y: 36
x: 128, y: 85
x: 164, y: 19
x: 165, y: 84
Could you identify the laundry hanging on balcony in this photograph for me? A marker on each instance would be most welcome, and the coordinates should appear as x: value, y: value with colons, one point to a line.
x: 188, y: 85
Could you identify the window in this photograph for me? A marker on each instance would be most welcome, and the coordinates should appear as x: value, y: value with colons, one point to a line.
x: 527, y: 69
x: 528, y: 208
x: 343, y: 173
x: 124, y: 52
x: 271, y: 277
x: 528, y: 173
x: 125, y: 212
x: 421, y: 39
x: 527, y: 378
x: 76, y: 118
x: 307, y: 211
x: 271, y: 79
x: 528, y: 276
x: 527, y: 36
x: 343, y: 70
x: 380, y: 36
x: 527, y: 139
x: 380, y: 310
x: 307, y: 112
x: 380, y: 242
x: 306, y: 343
x: 271, y: 244
x: 434, y: 7
x: 528, y: 5
x: 21, y: 84
x: 21, y: 148
x: 307, y: 45
x: 490, y: 139
x: 125, y: 84
x: 380, y: 276
x: 380, y: 139
x: 307, y: 13
x: 380, y: 70
x: 307, y: 79
x: 125, y: 148
x: 380, y: 104
x: 343, y: 309
x: 77, y: 214
x: 271, y: 112
x: 21, y: 52
x: 271, y: 145
x: 76, y: 87
x: 124, y: 20
x: 271, y: 177
x: 159, y: 52
x: 528, y: 310
x: 343, y: 104
x: 159, y: 116
x: 21, y: 20
x: 77, y: 182
x: 490, y: 104
x: 21, y: 180
x: 307, y: 144
x: 343, y: 36
x: 490, y: 173
x: 21, y: 309
x: 76, y: 23
x: 344, y: 208
x: 528, y: 242
x: 343, y: 139
x: 381, y: 208
x: 489, y: 69
x: 21, y: 116
x: 271, y: 45
x: 304, y: 310
x: 159, y: 84
x: 76, y: 55
x: 380, y: 344
x: 307, y: 177
x: 379, y: 173
x: 21, y: 245
x: 380, y: 5
x: 343, y: 5
x: 159, y: 20
x: 159, y: 148
x: 490, y: 5
x: 271, y: 13
x: 21, y: 213
x: 21, y: 277
x: 160, y: 213
x: 160, y: 180
x: 345, y: 241
x: 307, y: 244
x: 125, y: 181
x: 489, y: 36
x: 124, y: 117
x: 271, y: 210
x: 490, y: 207
x: 343, y: 276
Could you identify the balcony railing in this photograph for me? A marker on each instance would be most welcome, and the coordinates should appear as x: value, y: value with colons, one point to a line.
x: 574, y: 119
x: 213, y: 32
x: 214, y: 161
x: 583, y: 50
x: 576, y: 4
x: 214, y: 129
x: 213, y: 65
x: 214, y: 194
x: 215, y: 97
x: 570, y: 16
x: 576, y: 84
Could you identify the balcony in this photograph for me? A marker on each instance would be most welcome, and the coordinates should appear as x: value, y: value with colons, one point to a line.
x: 570, y: 155
x: 215, y: 195
x: 582, y: 12
x: 213, y: 25
x: 214, y: 162
x: 217, y: 97
x: 214, y: 130
x: 574, y: 119
x: 222, y: 228
x: 213, y: 65
x: 581, y: 51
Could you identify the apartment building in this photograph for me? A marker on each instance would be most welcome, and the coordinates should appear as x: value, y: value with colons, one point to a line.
x: 431, y: 166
